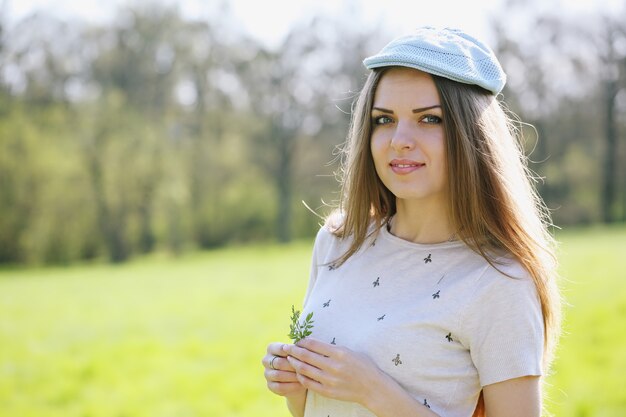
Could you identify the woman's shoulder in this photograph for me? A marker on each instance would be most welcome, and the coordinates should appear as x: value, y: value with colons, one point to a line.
x: 334, y: 226
x: 506, y: 277
x: 332, y: 232
x: 506, y: 266
x: 334, y: 222
x: 329, y: 230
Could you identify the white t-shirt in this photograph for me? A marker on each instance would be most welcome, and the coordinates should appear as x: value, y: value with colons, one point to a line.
x: 437, y: 318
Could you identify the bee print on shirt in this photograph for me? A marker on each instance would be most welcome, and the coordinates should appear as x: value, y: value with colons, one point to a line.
x: 426, y: 403
x: 427, y: 259
x: 327, y: 303
x: 449, y: 337
x: 376, y: 283
x: 374, y: 242
x: 381, y: 317
x: 332, y: 267
x: 436, y: 295
x: 397, y: 360
x: 333, y: 342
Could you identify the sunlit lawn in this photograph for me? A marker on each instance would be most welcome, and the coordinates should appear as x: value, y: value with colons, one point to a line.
x: 590, y: 371
x: 182, y: 337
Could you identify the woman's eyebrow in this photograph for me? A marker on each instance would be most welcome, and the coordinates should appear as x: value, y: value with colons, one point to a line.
x: 421, y: 109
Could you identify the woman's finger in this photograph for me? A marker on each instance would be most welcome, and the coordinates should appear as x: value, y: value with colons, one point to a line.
x: 276, y: 349
x: 313, y: 385
x: 305, y: 369
x: 305, y: 355
x: 284, y: 388
x: 276, y: 358
x: 280, y: 376
x: 317, y: 346
x: 276, y: 363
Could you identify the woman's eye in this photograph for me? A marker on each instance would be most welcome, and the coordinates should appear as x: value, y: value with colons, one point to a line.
x: 431, y: 119
x: 382, y: 120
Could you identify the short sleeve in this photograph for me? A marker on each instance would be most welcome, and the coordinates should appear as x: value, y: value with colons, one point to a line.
x: 504, y: 325
x: 321, y: 240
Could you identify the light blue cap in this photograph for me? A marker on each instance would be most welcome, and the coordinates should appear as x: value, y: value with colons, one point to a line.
x: 449, y: 53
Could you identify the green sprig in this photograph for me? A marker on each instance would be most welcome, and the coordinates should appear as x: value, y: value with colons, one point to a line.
x: 297, y: 330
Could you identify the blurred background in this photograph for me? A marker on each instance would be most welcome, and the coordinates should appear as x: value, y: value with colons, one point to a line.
x: 155, y: 162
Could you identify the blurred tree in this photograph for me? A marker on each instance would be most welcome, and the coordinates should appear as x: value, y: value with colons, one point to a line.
x: 44, y: 59
x: 555, y: 88
x: 158, y: 132
x: 295, y: 92
x: 209, y: 78
x: 610, y: 44
x: 37, y: 75
x: 3, y: 59
x: 20, y: 180
x: 136, y: 69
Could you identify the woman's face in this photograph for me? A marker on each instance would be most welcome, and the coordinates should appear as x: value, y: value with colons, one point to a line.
x: 408, y: 143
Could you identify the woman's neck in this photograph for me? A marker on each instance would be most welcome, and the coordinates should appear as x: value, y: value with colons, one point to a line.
x: 420, y: 223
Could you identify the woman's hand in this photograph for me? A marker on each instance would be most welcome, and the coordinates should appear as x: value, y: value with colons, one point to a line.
x: 279, y: 374
x: 334, y: 371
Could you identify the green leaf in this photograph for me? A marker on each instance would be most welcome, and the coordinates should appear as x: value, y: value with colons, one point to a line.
x: 299, y: 331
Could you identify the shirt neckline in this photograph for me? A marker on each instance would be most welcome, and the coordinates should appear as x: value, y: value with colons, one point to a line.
x: 386, y: 234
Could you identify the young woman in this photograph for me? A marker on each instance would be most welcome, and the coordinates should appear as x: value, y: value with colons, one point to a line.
x: 433, y: 283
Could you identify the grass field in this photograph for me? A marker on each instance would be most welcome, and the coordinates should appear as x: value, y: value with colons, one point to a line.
x: 163, y: 337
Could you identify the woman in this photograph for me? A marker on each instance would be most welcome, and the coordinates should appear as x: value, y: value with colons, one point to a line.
x: 433, y: 283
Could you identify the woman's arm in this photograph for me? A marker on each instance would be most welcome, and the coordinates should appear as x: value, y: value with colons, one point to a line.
x: 391, y: 400
x: 281, y: 379
x: 517, y: 397
x: 339, y: 373
x: 296, y: 403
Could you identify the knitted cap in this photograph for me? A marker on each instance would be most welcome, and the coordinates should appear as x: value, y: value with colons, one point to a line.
x: 449, y: 53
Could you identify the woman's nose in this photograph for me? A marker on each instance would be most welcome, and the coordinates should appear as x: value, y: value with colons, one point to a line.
x: 403, y: 137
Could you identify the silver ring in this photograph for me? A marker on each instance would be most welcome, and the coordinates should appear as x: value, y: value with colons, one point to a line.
x: 272, y: 363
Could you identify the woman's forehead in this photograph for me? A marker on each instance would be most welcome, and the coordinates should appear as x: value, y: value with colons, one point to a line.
x: 400, y: 85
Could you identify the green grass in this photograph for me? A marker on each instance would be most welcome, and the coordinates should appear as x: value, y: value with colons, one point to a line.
x: 590, y: 370
x: 182, y: 337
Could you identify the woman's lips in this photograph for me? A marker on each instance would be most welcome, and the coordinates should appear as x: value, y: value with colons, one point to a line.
x: 404, y: 166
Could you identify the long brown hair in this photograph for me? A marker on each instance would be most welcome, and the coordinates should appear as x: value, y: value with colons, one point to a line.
x: 493, y: 204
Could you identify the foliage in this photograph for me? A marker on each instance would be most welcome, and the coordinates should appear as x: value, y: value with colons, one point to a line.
x: 297, y: 330
x: 154, y: 132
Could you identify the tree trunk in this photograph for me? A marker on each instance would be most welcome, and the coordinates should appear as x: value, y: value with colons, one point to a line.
x: 610, y: 158
x: 623, y: 151
x: 112, y: 226
x: 283, y: 178
x: 147, y: 240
